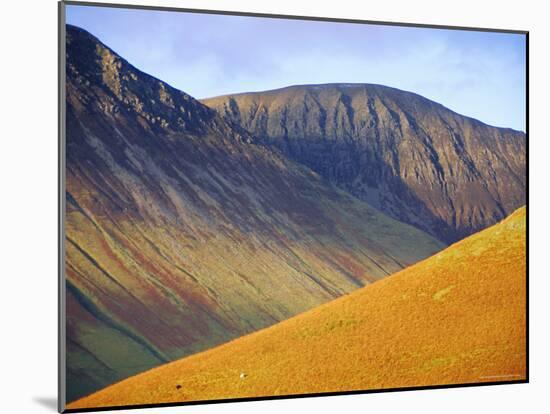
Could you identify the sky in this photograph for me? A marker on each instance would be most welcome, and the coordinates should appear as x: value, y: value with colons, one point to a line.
x: 478, y: 74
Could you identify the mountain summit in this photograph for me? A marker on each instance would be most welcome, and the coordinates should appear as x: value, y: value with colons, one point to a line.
x: 412, y: 158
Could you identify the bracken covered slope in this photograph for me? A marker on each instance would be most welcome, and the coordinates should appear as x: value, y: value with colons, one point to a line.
x: 181, y: 233
x: 414, y: 159
x: 456, y: 317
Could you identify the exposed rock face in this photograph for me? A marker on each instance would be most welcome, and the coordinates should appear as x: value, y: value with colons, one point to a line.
x: 182, y: 233
x: 412, y: 158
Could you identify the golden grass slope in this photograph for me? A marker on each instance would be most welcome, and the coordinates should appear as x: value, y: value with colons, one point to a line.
x: 457, y: 317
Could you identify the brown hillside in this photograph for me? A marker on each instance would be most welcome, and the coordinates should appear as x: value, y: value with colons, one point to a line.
x: 457, y: 317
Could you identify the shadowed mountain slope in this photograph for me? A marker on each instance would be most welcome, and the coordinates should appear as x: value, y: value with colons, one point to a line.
x: 457, y: 317
x: 410, y: 157
x: 182, y: 233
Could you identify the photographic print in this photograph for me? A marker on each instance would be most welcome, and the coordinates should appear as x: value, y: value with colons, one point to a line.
x: 273, y: 206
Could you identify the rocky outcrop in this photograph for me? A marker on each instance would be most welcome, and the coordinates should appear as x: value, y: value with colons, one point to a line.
x: 412, y: 158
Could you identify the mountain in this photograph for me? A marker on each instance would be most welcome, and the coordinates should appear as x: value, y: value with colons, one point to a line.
x: 412, y: 158
x: 457, y: 317
x: 183, y: 233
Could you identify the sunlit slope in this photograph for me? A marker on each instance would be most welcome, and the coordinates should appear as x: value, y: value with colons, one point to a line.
x: 457, y: 317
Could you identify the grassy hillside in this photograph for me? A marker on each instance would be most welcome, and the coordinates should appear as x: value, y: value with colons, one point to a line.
x: 456, y: 317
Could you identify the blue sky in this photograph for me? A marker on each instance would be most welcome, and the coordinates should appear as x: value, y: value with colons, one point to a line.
x: 478, y: 74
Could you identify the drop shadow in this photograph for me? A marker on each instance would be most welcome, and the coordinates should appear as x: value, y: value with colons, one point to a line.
x: 48, y: 402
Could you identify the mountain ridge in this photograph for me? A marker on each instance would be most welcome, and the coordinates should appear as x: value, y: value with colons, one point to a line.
x: 353, y: 85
